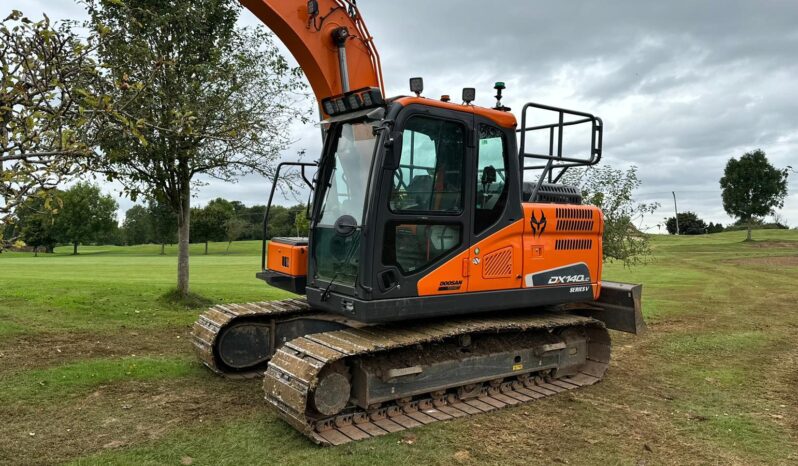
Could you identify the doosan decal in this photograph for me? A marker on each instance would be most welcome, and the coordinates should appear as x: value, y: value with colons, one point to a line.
x: 450, y: 285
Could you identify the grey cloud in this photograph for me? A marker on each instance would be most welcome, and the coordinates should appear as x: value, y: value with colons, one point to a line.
x: 681, y: 85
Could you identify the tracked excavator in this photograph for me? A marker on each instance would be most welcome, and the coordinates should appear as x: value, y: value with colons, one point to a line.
x: 436, y: 281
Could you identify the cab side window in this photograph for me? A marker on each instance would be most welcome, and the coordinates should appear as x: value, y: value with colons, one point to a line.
x: 428, y: 183
x: 491, y: 178
x: 430, y: 173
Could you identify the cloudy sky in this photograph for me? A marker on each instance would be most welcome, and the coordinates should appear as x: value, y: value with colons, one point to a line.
x: 682, y: 86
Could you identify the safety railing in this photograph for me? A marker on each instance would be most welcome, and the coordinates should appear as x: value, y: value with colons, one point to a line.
x: 554, y: 162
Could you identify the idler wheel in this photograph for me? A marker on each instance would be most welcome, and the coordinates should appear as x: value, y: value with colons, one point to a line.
x: 331, y: 394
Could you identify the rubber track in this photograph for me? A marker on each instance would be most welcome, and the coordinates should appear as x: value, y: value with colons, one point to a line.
x: 292, y: 374
x: 211, y: 323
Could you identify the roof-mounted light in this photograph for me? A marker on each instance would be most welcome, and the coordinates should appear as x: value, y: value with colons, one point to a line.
x: 469, y: 95
x: 359, y: 99
x: 417, y: 86
x: 329, y: 107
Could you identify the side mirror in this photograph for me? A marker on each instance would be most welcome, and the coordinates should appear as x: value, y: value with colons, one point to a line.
x: 345, y: 225
x: 393, y: 150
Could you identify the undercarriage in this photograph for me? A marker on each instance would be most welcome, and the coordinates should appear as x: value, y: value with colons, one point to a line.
x: 338, y: 380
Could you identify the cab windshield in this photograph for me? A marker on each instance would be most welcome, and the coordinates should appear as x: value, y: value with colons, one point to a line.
x: 346, y: 189
x: 337, y: 256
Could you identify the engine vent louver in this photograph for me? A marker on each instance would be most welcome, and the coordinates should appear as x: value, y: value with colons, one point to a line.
x: 569, y: 219
x: 581, y: 214
x: 552, y: 193
x: 574, y: 225
x: 498, y: 264
x: 574, y: 244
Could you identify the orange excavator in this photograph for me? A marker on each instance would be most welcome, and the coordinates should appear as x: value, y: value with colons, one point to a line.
x: 436, y: 281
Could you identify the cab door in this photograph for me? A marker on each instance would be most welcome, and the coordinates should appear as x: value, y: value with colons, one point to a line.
x: 495, y: 256
x: 424, y: 213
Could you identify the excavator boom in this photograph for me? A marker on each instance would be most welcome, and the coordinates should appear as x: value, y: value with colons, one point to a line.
x: 329, y: 40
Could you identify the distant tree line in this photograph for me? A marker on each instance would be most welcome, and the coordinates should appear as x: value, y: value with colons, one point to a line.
x: 219, y: 220
x: 690, y: 224
x: 79, y: 215
x: 84, y: 215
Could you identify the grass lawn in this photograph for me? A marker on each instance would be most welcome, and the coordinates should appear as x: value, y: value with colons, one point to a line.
x: 96, y: 367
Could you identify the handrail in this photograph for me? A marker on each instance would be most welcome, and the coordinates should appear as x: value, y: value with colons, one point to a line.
x: 555, y: 159
x: 271, y: 197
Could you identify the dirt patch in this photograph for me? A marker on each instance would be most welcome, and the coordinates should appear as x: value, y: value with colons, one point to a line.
x: 48, y: 349
x: 120, y: 415
x: 773, y: 261
x: 774, y: 244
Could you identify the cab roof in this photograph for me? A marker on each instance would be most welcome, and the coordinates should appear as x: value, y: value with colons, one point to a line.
x: 501, y: 118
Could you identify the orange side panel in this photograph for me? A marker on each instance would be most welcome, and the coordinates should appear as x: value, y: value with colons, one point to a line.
x: 557, y: 235
x: 497, y: 266
x: 497, y: 261
x: 287, y: 259
x: 549, y: 236
x: 450, y: 278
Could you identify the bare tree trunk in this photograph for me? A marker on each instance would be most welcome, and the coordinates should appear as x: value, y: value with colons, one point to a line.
x: 163, y: 246
x: 749, y: 231
x: 36, y: 251
x: 183, y: 224
x: 206, y: 248
x: 75, y: 248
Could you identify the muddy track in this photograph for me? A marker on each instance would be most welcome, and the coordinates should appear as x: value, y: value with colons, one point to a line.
x: 294, y: 372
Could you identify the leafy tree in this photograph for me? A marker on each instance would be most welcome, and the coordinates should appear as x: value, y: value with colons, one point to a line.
x: 752, y: 187
x: 611, y: 190
x: 36, y: 222
x: 254, y: 216
x: 53, y: 105
x: 714, y: 228
x: 234, y: 228
x: 301, y: 223
x: 239, y: 208
x: 210, y: 223
x: 689, y: 224
x: 86, y: 215
x: 137, y: 225
x: 164, y: 223
x: 217, y: 101
x: 281, y: 222
x: 115, y: 236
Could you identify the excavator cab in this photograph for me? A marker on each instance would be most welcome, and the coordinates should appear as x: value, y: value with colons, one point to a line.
x: 421, y: 208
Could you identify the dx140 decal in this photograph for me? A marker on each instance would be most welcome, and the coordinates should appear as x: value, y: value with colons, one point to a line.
x: 571, y: 274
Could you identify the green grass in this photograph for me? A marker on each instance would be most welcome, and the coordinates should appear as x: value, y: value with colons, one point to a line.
x: 108, y: 286
x: 80, y: 377
x: 264, y: 441
x: 712, y: 381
